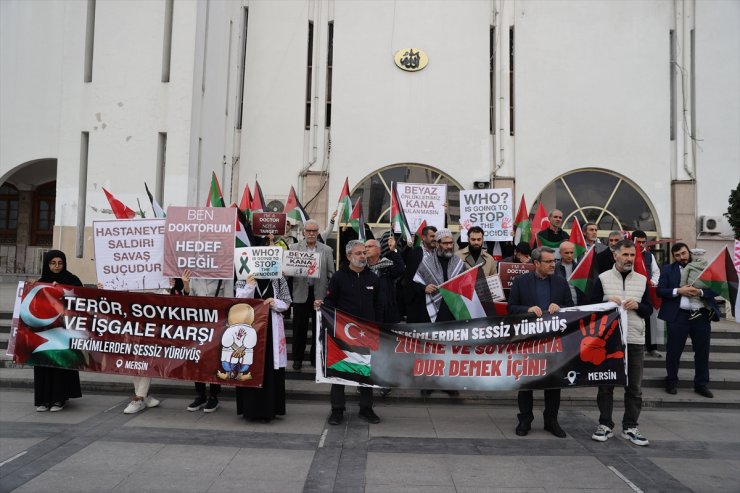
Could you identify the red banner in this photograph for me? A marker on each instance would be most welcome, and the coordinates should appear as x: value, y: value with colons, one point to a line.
x: 204, y: 339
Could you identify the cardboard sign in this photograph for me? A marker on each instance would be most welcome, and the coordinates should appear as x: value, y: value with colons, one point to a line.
x: 490, y: 209
x: 265, y: 223
x: 497, y: 289
x: 423, y: 202
x: 200, y: 239
x: 301, y: 264
x: 507, y: 271
x: 129, y: 254
x: 260, y: 262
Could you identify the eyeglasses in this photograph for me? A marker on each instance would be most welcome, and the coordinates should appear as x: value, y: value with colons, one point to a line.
x: 55, y: 263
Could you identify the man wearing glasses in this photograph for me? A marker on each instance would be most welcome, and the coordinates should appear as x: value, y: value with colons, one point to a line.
x: 306, y: 290
x: 540, y: 292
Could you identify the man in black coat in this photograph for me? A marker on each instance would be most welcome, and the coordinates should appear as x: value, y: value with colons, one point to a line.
x: 355, y: 290
x: 605, y: 259
x: 540, y: 292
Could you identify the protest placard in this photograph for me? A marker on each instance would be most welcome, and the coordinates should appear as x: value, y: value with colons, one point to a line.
x: 497, y: 289
x: 490, y: 209
x: 301, y: 264
x: 423, y: 202
x: 202, y: 339
x: 507, y: 271
x: 260, y: 262
x: 265, y: 223
x: 564, y: 349
x: 200, y: 239
x: 129, y: 254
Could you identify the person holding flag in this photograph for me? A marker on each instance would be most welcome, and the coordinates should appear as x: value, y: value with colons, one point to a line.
x: 676, y: 311
x: 355, y: 290
x: 653, y: 275
x: 553, y: 235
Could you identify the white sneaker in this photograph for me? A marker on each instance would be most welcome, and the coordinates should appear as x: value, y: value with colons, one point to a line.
x: 634, y: 436
x: 602, y: 433
x: 135, y: 407
x: 42, y: 409
x: 151, y: 401
x: 56, y: 407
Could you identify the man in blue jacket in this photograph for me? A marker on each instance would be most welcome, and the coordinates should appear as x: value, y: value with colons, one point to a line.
x: 676, y: 311
x: 540, y: 292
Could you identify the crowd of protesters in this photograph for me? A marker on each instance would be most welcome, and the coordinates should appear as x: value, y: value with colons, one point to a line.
x: 408, y: 276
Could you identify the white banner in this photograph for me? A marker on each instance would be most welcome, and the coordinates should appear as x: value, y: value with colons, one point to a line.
x: 423, y: 202
x: 301, y: 264
x: 260, y: 262
x: 490, y: 209
x: 129, y: 254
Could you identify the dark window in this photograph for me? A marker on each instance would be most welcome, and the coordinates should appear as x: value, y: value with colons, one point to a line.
x: 309, y: 71
x: 511, y: 80
x: 8, y: 213
x: 329, y: 66
x: 42, y: 222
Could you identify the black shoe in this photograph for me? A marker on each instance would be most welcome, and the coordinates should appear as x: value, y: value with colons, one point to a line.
x: 385, y: 391
x: 452, y: 393
x: 554, y: 428
x: 198, y: 403
x: 704, y: 392
x: 670, y: 387
x: 297, y: 365
x: 336, y: 416
x: 211, y: 405
x: 369, y: 415
x: 426, y: 392
x: 522, y: 429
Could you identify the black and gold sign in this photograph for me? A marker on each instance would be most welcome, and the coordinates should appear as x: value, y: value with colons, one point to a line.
x: 411, y: 59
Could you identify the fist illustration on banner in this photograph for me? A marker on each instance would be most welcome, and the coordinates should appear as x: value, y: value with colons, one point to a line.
x: 593, y: 344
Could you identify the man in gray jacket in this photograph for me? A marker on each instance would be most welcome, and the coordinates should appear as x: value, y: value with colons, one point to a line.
x: 306, y: 290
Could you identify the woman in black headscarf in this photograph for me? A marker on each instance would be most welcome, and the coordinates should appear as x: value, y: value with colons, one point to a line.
x: 53, y: 386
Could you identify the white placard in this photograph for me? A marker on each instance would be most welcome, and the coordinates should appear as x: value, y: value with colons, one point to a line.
x: 301, y: 264
x: 497, y: 289
x: 423, y: 202
x: 490, y: 209
x: 129, y: 254
x: 261, y: 262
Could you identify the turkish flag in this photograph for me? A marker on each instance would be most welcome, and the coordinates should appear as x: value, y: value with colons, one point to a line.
x: 355, y: 332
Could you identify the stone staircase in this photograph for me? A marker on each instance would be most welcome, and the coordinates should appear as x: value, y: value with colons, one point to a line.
x: 300, y: 385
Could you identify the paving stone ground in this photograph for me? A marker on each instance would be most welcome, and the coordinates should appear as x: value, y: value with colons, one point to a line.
x: 430, y: 448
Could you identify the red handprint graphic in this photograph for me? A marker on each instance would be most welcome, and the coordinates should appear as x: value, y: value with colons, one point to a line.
x: 593, y: 345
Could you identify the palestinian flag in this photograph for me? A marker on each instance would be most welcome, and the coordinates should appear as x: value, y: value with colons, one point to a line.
x: 158, y: 211
x: 584, y: 275
x: 242, y: 239
x: 721, y: 277
x: 641, y: 268
x: 346, y: 361
x: 540, y: 223
x: 737, y: 269
x: 522, y: 224
x: 357, y: 220
x: 245, y: 205
x: 398, y: 217
x: 497, y: 254
x: 576, y: 237
x: 294, y: 209
x: 215, y: 197
x: 468, y: 295
x: 118, y: 208
x: 419, y: 233
x: 258, y: 201
x: 344, y: 206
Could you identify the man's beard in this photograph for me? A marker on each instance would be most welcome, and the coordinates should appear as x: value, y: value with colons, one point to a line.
x: 360, y: 264
x: 474, y: 249
x: 444, y: 253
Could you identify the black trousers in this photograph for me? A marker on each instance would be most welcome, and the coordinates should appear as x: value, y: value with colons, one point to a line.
x: 526, y: 403
x: 304, y: 321
x: 338, y: 400
x: 649, y: 346
x: 200, y: 389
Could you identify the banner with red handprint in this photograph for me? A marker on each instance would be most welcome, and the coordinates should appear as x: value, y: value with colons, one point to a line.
x: 581, y: 346
x: 204, y: 339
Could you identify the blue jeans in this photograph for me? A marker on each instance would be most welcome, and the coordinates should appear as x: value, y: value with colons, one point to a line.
x: 632, y: 391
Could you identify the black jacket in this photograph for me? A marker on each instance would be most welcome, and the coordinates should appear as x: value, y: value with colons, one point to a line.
x: 356, y: 293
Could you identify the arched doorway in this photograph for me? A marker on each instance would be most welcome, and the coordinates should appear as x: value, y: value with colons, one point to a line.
x: 608, y: 199
x: 375, y: 190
